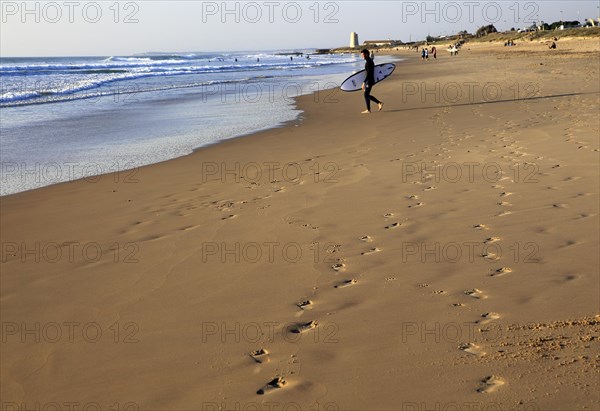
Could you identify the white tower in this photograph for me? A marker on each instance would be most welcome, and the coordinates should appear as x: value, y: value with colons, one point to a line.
x: 354, y: 40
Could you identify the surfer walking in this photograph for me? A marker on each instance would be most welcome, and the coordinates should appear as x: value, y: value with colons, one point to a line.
x: 369, y: 82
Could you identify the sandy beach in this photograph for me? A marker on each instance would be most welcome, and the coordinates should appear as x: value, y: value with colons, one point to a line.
x: 441, y: 253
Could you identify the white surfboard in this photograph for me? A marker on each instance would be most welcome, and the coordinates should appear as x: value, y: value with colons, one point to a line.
x: 355, y: 81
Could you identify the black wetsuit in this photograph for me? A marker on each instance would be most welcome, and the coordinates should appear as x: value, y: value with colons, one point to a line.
x: 369, y: 82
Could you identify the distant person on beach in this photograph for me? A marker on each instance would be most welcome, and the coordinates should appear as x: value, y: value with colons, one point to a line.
x: 426, y: 53
x: 369, y: 82
x: 434, y: 52
x: 553, y: 46
x: 423, y: 54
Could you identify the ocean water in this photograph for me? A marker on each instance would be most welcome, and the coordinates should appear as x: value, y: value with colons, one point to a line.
x: 65, y: 118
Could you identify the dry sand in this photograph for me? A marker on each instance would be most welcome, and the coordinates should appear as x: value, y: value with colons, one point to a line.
x: 442, y: 253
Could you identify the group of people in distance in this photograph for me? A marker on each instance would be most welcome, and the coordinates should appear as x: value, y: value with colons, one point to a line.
x: 425, y: 53
x: 512, y: 43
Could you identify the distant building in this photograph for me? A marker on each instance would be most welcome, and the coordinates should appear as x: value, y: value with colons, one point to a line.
x: 354, y: 40
x: 382, y: 43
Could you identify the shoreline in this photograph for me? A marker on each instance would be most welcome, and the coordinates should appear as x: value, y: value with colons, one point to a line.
x: 366, y: 198
x: 293, y: 107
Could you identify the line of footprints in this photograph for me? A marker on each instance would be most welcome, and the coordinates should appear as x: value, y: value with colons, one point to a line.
x: 261, y: 355
x: 488, y: 385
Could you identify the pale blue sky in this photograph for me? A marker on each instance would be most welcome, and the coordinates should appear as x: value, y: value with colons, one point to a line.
x: 74, y: 27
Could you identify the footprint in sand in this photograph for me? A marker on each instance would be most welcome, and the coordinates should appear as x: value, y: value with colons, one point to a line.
x: 487, y: 318
x: 305, y: 305
x: 480, y: 227
x: 505, y: 194
x: 568, y: 243
x: 416, y: 205
x: 504, y: 204
x: 371, y: 251
x: 490, y: 384
x: 260, y: 356
x: 388, y: 215
x: 472, y: 349
x: 490, y: 256
x: 394, y: 225
x: 345, y: 283
x: 475, y: 293
x: 303, y: 327
x: 490, y: 240
x: 581, y: 195
x: 189, y: 227
x: 413, y: 197
x: 584, y: 215
x: 430, y: 188
x: 366, y: 238
x: 339, y: 266
x: 275, y: 384
x: 501, y: 271
x: 229, y: 217
x: 503, y: 213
